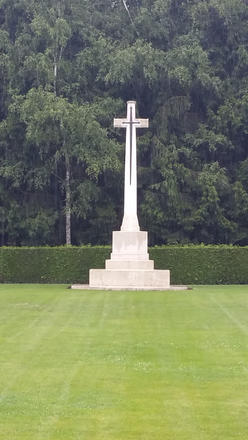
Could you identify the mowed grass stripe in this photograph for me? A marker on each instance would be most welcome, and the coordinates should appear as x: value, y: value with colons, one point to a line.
x: 123, y: 365
x: 231, y: 316
x: 21, y: 332
x: 37, y: 347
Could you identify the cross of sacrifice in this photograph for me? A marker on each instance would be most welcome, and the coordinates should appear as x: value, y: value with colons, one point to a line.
x: 130, y: 123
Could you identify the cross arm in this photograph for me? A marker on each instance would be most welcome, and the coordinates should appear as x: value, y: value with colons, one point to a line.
x: 143, y: 123
x: 119, y: 122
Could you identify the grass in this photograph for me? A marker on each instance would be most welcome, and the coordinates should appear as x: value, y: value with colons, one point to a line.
x: 123, y: 365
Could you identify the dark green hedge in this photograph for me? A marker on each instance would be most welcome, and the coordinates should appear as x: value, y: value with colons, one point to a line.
x: 50, y: 264
x: 188, y: 264
x: 203, y: 264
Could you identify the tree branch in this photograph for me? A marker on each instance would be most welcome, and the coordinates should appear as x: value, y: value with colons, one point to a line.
x: 129, y: 15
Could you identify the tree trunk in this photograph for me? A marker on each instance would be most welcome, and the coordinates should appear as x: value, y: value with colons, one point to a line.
x: 67, y: 201
x: 55, y: 70
x: 2, y: 233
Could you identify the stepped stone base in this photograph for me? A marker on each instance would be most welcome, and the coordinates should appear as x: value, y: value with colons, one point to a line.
x: 129, y: 266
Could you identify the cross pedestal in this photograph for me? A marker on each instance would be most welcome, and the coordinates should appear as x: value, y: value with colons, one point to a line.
x: 129, y: 266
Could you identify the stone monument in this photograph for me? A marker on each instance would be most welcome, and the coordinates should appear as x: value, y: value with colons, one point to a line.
x: 129, y: 266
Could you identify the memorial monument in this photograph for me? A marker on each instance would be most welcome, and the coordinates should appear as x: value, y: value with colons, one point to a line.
x: 129, y: 266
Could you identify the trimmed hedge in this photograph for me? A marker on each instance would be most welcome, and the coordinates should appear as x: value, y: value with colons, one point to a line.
x: 50, y: 264
x: 200, y: 264
x: 188, y: 264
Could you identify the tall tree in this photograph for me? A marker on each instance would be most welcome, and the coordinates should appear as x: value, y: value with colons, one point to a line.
x: 67, y: 133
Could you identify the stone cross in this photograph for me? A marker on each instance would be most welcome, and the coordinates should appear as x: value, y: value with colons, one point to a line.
x: 130, y: 123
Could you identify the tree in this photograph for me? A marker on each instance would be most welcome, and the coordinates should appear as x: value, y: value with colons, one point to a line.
x: 64, y: 133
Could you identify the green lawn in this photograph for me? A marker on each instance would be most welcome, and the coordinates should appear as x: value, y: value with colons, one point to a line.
x: 78, y: 365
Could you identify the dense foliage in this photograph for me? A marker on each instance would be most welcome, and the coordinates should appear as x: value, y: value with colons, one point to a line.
x: 189, y: 264
x: 67, y: 67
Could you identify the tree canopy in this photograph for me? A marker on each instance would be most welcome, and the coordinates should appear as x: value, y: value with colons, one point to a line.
x: 67, y: 68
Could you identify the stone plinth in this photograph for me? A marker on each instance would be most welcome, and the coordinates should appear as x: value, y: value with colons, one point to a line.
x: 129, y: 246
x: 129, y: 265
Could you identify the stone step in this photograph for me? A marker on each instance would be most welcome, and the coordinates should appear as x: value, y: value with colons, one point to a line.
x: 129, y: 278
x: 129, y: 264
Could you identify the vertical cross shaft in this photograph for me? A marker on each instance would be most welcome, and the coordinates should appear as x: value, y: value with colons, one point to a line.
x: 130, y: 123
